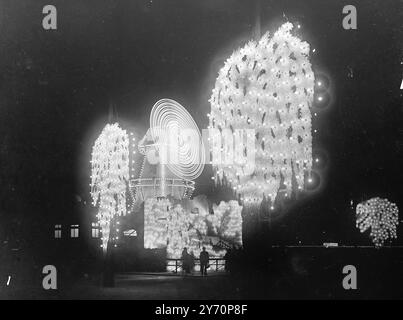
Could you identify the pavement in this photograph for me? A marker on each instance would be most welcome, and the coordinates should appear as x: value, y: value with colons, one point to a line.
x: 134, y: 286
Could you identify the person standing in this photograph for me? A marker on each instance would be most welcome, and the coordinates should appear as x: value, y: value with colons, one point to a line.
x: 228, y: 261
x: 185, y: 261
x: 191, y: 262
x: 204, y: 261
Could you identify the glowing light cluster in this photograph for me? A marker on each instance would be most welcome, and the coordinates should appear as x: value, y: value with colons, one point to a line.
x: 227, y: 221
x: 110, y: 173
x: 379, y: 215
x: 155, y: 222
x: 267, y: 86
x: 172, y: 226
x: 179, y: 229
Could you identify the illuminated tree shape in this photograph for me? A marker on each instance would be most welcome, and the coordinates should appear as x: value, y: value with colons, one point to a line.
x: 379, y: 215
x: 110, y: 173
x: 267, y: 86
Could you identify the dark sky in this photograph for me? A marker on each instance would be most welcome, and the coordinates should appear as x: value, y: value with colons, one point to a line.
x: 55, y: 88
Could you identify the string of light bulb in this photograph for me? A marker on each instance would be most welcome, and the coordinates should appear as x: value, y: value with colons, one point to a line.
x: 267, y: 86
x: 109, y: 176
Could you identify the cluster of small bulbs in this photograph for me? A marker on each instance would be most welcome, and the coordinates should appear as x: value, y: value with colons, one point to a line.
x: 155, y: 222
x: 171, y: 226
x: 133, y: 168
x: 381, y: 216
x: 109, y: 176
x: 267, y: 86
x: 227, y: 221
x: 133, y: 151
x: 179, y: 227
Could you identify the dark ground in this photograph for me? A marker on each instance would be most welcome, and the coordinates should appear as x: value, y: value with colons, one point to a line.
x: 293, y: 273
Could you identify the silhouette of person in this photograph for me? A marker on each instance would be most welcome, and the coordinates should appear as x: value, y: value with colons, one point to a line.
x: 204, y: 261
x: 191, y: 262
x: 228, y: 260
x: 185, y: 261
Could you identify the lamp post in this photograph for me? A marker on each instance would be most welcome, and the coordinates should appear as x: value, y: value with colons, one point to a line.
x: 109, y: 259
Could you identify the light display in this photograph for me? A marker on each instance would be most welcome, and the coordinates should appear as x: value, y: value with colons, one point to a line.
x: 110, y: 174
x: 173, y: 153
x: 172, y: 127
x: 170, y: 225
x: 379, y: 215
x: 173, y: 225
x: 227, y: 221
x: 156, y: 212
x: 178, y: 236
x: 267, y: 86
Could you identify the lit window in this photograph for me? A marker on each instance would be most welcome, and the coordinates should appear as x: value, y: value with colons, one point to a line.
x: 95, y: 230
x: 58, y: 231
x: 74, y: 231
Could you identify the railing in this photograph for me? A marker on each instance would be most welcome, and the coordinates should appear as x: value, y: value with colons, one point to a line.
x: 157, y: 182
x: 157, y: 187
x: 216, y: 264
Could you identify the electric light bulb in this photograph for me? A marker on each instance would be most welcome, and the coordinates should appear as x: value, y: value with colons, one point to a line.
x: 379, y: 215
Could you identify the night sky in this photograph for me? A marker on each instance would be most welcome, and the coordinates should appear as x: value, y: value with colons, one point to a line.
x: 56, y: 87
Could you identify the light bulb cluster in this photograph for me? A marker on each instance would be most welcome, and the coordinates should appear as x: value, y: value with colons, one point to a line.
x: 267, y: 86
x: 132, y: 143
x: 379, y: 215
x: 110, y: 174
x: 179, y: 228
x: 156, y: 213
x: 169, y: 226
x: 133, y: 169
x: 172, y: 226
x: 227, y: 221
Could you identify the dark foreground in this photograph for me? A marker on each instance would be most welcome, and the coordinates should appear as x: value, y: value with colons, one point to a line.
x: 290, y: 274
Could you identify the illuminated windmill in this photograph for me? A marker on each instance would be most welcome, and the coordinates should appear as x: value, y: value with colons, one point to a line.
x: 173, y: 154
